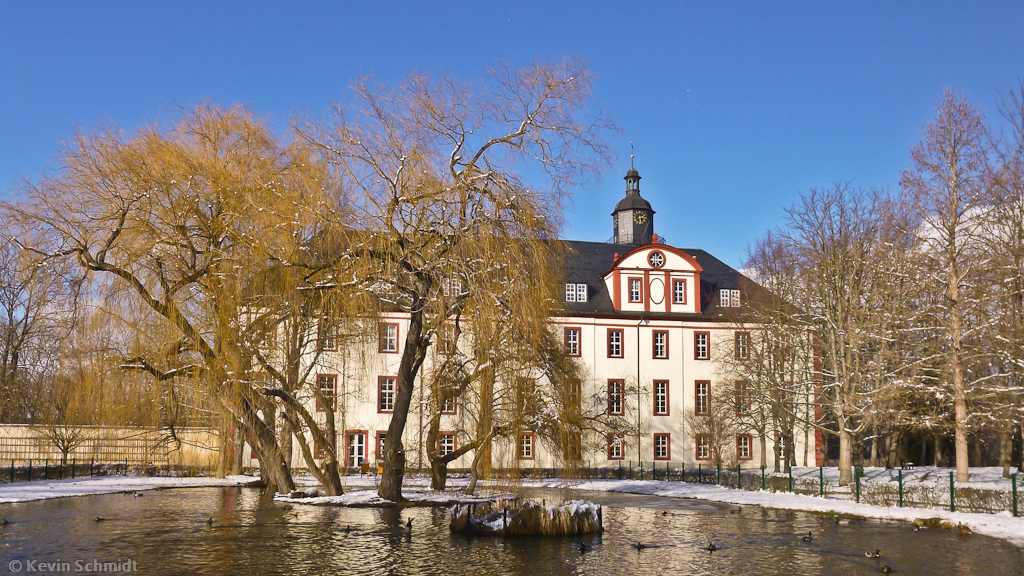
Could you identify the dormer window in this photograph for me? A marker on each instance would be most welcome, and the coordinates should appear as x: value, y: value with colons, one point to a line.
x: 729, y: 298
x: 575, y: 292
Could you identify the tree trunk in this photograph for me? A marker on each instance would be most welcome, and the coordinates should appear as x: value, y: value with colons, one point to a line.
x: 474, y: 469
x: 957, y: 368
x: 1020, y: 462
x: 237, y: 453
x: 893, y: 446
x: 940, y: 460
x: 394, y: 451
x: 284, y: 439
x: 1020, y: 465
x: 485, y: 424
x: 1005, y: 447
x: 874, y: 446
x: 331, y: 480
x: 225, y: 441
x: 790, y: 450
x: 845, y: 454
x: 807, y: 442
x: 438, y: 474
x: 981, y: 454
x: 278, y: 475
x: 438, y: 468
x: 777, y: 449
x: 233, y: 457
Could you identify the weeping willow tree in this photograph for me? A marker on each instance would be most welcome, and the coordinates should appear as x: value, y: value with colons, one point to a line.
x: 182, y: 221
x: 442, y: 218
x: 511, y: 376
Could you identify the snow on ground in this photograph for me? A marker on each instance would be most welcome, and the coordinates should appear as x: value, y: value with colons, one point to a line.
x: 362, y: 491
x: 1002, y: 525
x: 985, y: 478
x: 46, y: 489
x: 415, y: 496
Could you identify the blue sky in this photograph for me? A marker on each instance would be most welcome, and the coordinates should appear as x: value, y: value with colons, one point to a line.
x: 733, y: 108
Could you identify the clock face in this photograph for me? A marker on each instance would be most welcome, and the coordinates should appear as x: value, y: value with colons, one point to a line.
x: 657, y: 259
x: 639, y: 217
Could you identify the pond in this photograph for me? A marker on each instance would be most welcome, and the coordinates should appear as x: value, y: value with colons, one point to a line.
x: 167, y: 532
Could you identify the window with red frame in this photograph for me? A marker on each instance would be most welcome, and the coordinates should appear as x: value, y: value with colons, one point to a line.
x: 445, y: 443
x: 614, y: 343
x: 327, y: 337
x: 616, y: 447
x: 381, y: 437
x: 575, y: 389
x: 742, y: 345
x: 702, y: 392
x: 447, y: 336
x: 679, y: 291
x: 703, y: 445
x: 616, y: 397
x: 744, y: 403
x: 525, y: 444
x: 636, y: 290
x: 356, y: 442
x: 743, y: 447
x: 661, y: 397
x: 660, y: 344
x: 388, y: 342
x: 572, y: 341
x: 450, y: 405
x: 327, y: 385
x: 662, y: 446
x: 701, y: 345
x: 386, y: 393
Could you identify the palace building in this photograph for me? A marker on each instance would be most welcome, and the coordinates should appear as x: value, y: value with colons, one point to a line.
x: 652, y: 327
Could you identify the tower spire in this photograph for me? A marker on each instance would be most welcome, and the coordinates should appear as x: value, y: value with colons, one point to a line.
x: 633, y: 218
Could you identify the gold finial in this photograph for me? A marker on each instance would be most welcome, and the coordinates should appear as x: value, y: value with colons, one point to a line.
x: 630, y: 153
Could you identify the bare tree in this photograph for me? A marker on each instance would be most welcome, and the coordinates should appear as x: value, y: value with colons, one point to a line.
x: 948, y: 183
x: 434, y: 167
x: 771, y: 362
x: 839, y: 239
x: 718, y: 422
x: 38, y: 309
x: 1005, y: 241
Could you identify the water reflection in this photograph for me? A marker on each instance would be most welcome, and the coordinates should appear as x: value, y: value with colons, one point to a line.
x: 167, y: 532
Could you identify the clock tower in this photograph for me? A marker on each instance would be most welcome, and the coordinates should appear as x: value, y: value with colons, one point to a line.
x: 633, y: 218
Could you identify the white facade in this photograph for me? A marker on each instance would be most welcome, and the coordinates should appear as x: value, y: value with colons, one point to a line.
x: 649, y: 326
x: 661, y: 340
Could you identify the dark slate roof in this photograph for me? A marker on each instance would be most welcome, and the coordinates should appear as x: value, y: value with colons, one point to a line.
x: 631, y: 201
x: 588, y: 262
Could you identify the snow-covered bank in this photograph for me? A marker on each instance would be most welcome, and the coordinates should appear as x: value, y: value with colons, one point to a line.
x: 46, y: 489
x: 1002, y: 525
x: 986, y: 478
x: 361, y: 491
x: 416, y: 497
